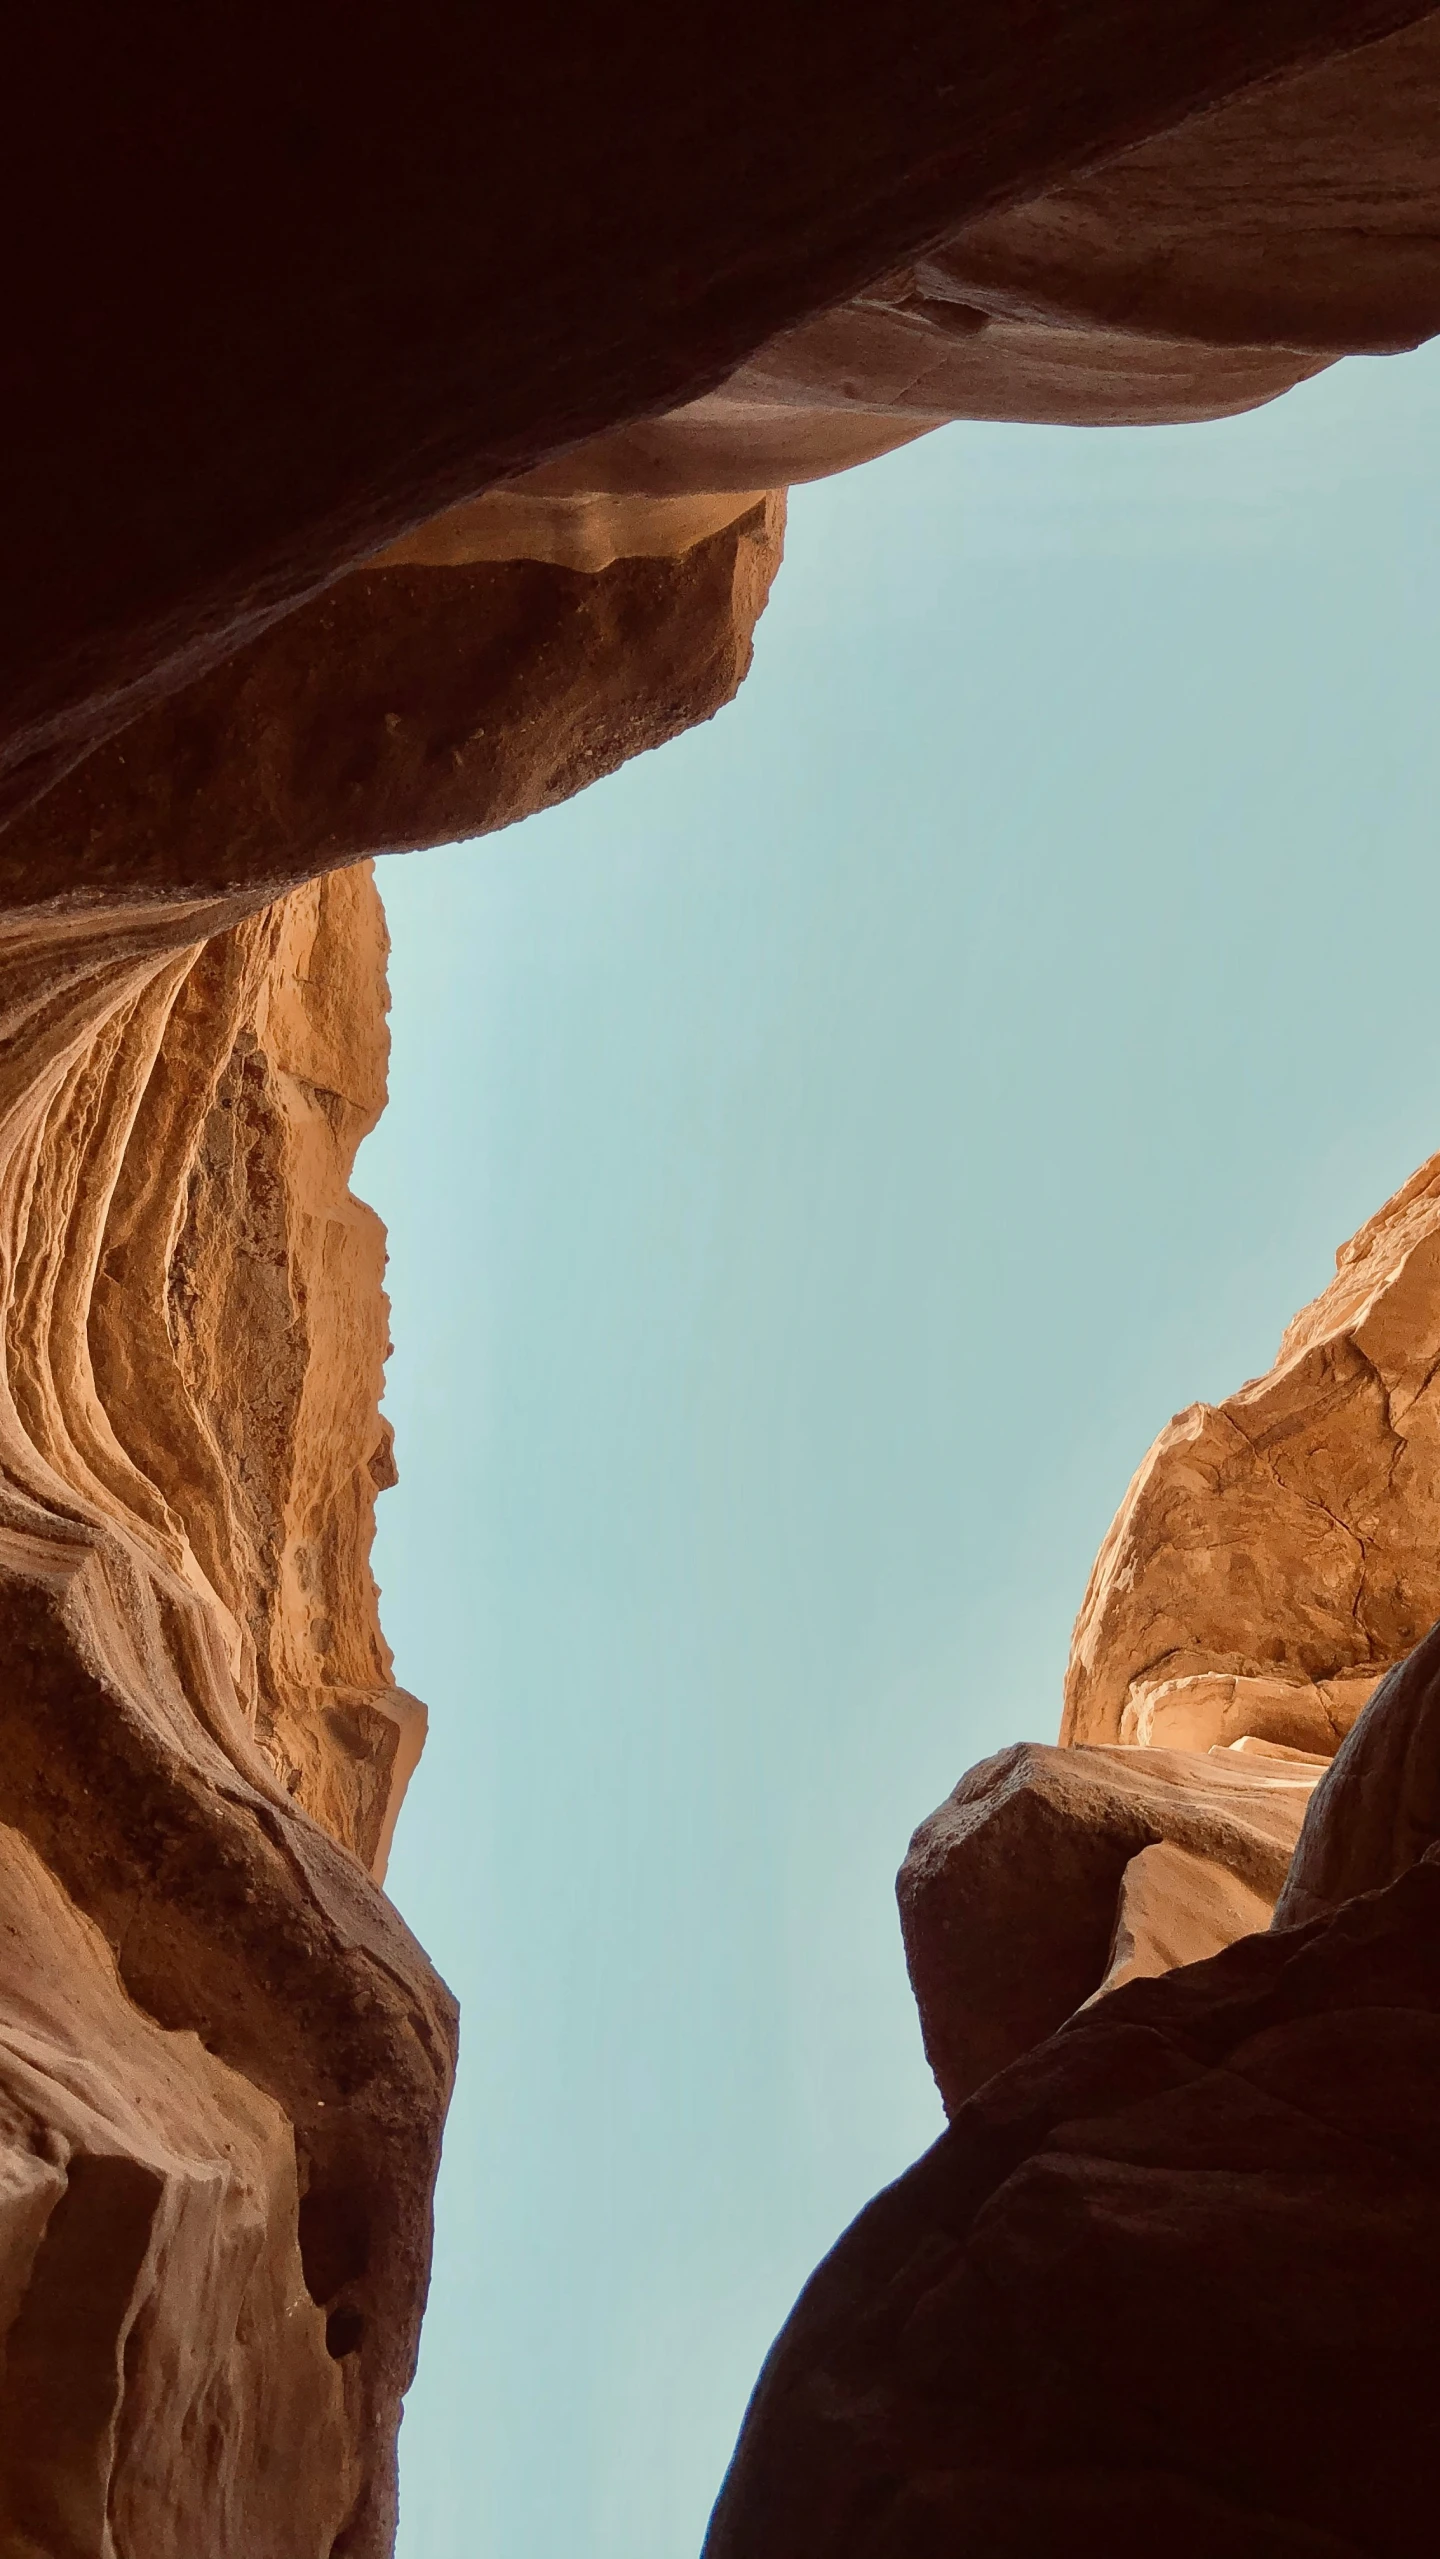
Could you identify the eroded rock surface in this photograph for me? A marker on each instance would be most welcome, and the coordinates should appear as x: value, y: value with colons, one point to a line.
x: 224, y: 2064
x: 204, y: 1746
x: 1275, y: 1553
x: 414, y: 703
x: 152, y: 2274
x: 1039, y: 1884
x: 395, y: 429
x: 1166, y: 2284
x: 1168, y: 2280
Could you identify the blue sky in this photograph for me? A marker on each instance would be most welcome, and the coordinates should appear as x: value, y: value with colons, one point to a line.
x: 819, y: 1159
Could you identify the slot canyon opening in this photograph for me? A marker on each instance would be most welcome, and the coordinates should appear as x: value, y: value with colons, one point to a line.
x: 842, y: 618
x: 818, y: 1160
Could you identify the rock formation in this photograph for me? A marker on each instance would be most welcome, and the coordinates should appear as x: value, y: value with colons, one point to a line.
x: 1051, y: 1876
x: 1166, y: 2284
x: 223, y: 2063
x: 278, y: 300
x: 395, y: 418
x: 1168, y: 2279
x: 1277, y: 1552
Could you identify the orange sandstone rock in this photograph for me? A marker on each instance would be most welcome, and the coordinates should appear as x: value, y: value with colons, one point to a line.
x: 203, y: 1745
x: 394, y: 433
x: 1276, y: 1552
x: 413, y: 703
x: 212, y: 2275
x: 153, y: 2288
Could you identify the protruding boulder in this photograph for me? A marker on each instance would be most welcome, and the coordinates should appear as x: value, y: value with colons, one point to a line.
x: 1050, y: 1875
x: 416, y: 702
x: 1169, y: 2283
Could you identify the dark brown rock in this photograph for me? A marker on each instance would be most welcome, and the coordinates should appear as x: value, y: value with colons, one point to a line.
x: 1376, y: 1811
x: 1168, y: 2283
x: 408, y: 705
x: 1304, y: 215
x: 1011, y: 1893
x: 294, y: 293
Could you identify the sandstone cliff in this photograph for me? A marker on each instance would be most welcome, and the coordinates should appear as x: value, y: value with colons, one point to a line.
x: 1277, y: 1552
x: 394, y: 418
x: 225, y: 2064
x: 1168, y: 2280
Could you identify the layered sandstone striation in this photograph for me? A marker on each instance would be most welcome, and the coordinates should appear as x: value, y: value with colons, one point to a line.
x: 224, y: 2064
x: 395, y: 438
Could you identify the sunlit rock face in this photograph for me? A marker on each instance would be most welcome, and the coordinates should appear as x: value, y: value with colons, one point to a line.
x: 1168, y: 2280
x: 224, y: 2064
x: 1275, y: 1553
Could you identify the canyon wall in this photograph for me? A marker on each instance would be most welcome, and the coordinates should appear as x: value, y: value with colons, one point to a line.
x: 396, y: 423
x: 224, y: 2063
x: 1169, y: 2278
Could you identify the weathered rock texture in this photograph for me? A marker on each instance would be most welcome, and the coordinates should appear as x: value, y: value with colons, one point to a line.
x: 1051, y: 1875
x: 1275, y: 1553
x: 394, y: 419
x: 1169, y: 2279
x: 298, y: 292
x: 1167, y: 2284
x: 153, y: 2277
x: 224, y: 2062
x: 412, y: 703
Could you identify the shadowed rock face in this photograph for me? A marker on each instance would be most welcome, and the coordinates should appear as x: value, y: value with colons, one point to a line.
x: 224, y: 2064
x: 410, y: 704
x: 151, y: 2239
x: 1169, y: 2280
x: 277, y: 301
x: 1166, y: 2284
x: 1052, y: 1875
